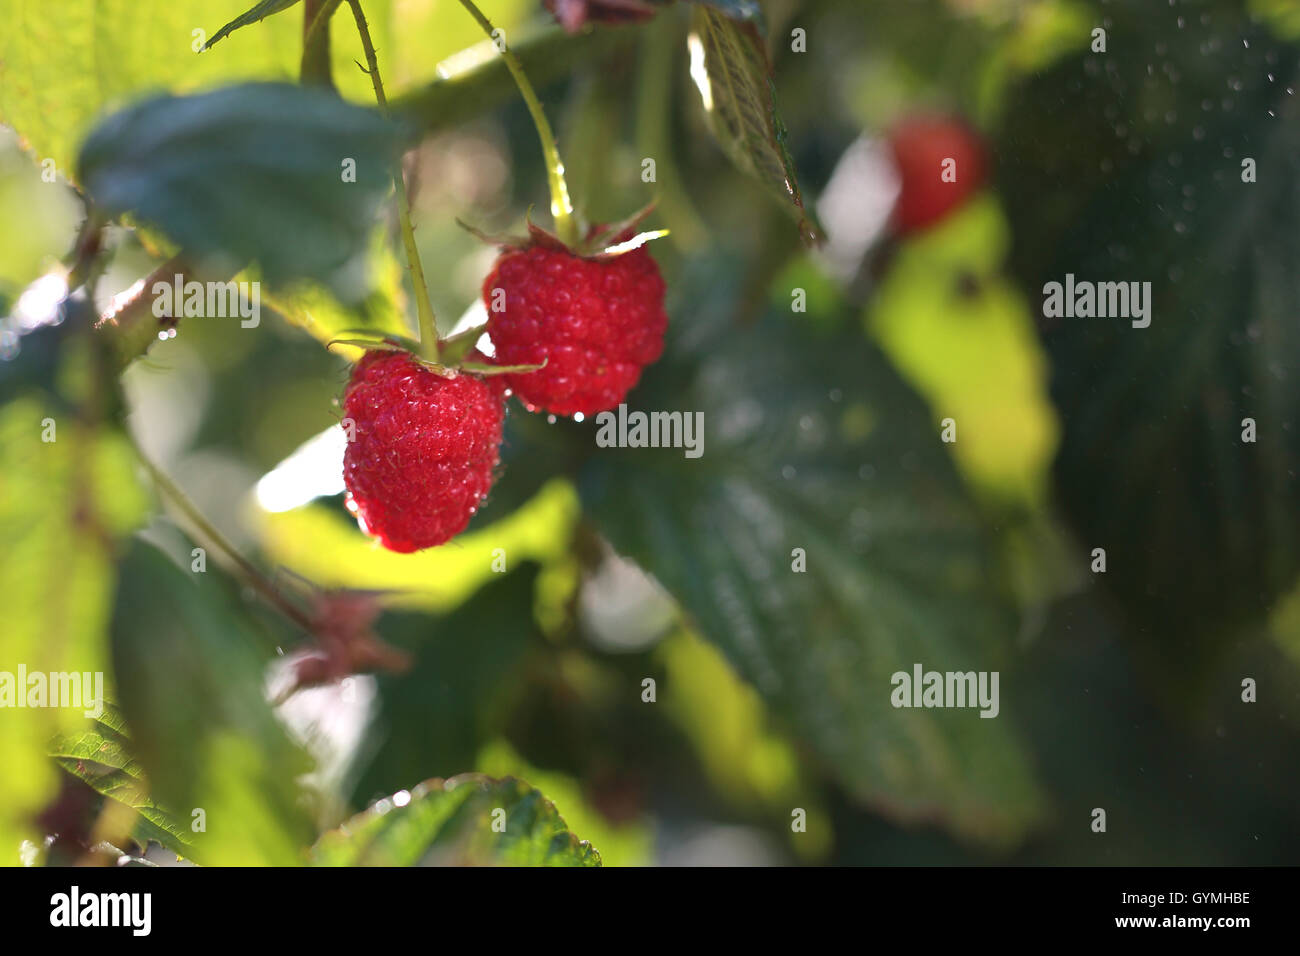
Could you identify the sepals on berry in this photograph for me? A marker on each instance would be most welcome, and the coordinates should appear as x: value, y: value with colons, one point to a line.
x: 592, y: 312
x: 601, y: 243
x: 425, y: 450
x: 455, y: 353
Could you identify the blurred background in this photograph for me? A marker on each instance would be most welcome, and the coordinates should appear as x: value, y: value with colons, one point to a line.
x: 1121, y: 689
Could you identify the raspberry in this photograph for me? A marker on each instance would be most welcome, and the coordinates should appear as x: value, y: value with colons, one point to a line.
x: 596, y: 322
x: 920, y: 148
x: 424, y: 450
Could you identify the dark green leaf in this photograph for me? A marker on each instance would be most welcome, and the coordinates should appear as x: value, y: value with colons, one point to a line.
x: 256, y: 14
x: 252, y: 172
x: 1099, y: 729
x: 190, y: 676
x: 458, y: 822
x: 1152, y: 463
x: 820, y: 446
x: 739, y: 101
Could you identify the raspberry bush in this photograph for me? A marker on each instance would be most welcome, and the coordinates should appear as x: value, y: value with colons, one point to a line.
x: 574, y: 433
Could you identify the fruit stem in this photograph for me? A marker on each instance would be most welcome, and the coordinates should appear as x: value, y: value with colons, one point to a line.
x: 561, y: 207
x: 424, y: 308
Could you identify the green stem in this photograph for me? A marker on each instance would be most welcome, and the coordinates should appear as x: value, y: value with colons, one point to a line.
x: 316, y: 38
x: 424, y: 308
x: 561, y: 208
x: 315, y: 66
x: 246, y: 569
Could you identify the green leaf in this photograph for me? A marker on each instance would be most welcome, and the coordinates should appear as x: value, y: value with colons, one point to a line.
x: 965, y: 338
x: 818, y: 445
x: 458, y: 822
x: 62, y: 65
x: 250, y: 172
x: 100, y: 757
x: 256, y: 14
x: 65, y: 64
x: 190, y: 679
x: 730, y: 68
x: 1201, y: 529
x: 63, y: 505
x: 623, y: 842
x: 325, y: 546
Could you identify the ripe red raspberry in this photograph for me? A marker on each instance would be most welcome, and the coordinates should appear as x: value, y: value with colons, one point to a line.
x: 921, y: 148
x: 595, y: 322
x: 424, y: 451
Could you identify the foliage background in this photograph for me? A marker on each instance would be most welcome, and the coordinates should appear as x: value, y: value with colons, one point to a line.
x: 1119, y: 691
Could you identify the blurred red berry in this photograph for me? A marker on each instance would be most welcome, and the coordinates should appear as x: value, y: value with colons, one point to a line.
x: 940, y: 163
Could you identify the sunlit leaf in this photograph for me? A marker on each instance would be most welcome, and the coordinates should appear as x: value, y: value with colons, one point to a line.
x: 328, y: 548
x: 255, y: 15
x: 64, y: 503
x: 627, y: 842
x: 467, y: 820
x: 730, y: 68
x: 965, y: 337
x: 101, y: 758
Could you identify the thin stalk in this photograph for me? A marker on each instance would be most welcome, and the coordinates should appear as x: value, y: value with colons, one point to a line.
x: 424, y: 308
x: 566, y: 226
x: 247, y: 570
